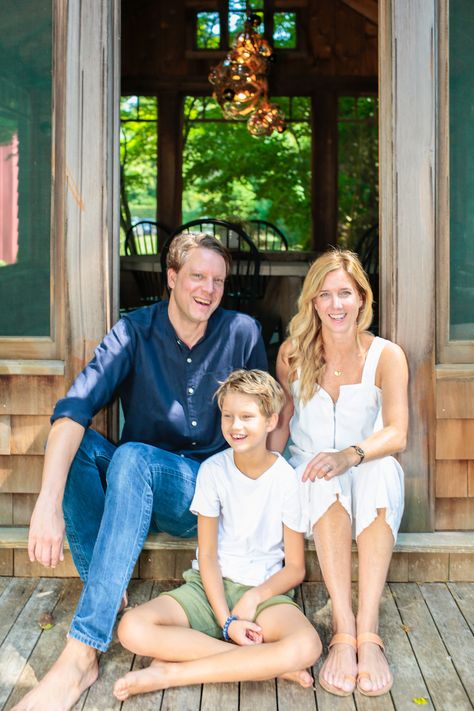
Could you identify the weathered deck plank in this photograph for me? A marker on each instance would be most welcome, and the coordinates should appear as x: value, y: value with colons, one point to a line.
x: 463, y: 593
x: 14, y: 598
x: 220, y: 696
x: 24, y: 634
x: 444, y: 685
x: 259, y: 695
x: 50, y: 643
x: 452, y: 627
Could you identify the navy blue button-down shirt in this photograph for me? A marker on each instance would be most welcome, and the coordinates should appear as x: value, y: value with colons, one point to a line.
x: 166, y: 388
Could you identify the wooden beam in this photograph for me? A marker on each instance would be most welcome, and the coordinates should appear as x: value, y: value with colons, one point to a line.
x: 367, y: 8
x: 324, y: 169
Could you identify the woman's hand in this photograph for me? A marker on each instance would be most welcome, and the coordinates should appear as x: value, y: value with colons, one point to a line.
x: 327, y: 465
x: 244, y: 632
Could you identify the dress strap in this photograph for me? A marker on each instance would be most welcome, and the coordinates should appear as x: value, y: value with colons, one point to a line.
x: 372, y: 360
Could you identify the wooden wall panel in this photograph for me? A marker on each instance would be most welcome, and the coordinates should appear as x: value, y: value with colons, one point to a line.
x: 470, y: 478
x: 30, y: 394
x: 455, y: 439
x: 5, y: 426
x: 23, y: 505
x: 29, y: 434
x: 20, y: 474
x: 455, y: 399
x: 454, y: 514
x: 6, y: 509
x: 451, y: 479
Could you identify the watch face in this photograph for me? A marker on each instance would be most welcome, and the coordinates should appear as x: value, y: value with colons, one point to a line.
x: 359, y: 451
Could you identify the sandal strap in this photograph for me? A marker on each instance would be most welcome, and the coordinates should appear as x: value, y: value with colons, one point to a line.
x: 343, y: 638
x: 369, y: 637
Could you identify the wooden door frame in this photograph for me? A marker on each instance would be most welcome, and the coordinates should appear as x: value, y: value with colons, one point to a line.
x: 408, y: 149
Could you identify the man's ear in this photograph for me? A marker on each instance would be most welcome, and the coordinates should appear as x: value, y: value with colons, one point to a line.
x: 171, y: 276
x: 272, y: 422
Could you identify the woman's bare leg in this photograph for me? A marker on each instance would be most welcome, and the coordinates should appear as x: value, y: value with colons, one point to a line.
x: 292, y: 645
x: 375, y: 545
x: 333, y: 541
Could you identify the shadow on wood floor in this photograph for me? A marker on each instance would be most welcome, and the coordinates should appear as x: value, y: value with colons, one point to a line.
x: 428, y: 631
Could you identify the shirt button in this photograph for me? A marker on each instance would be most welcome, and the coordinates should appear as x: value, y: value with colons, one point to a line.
x: 189, y: 360
x: 182, y: 455
x: 194, y: 423
x: 190, y: 391
x: 194, y: 444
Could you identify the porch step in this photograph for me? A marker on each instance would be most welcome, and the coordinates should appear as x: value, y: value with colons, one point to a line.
x: 433, y: 542
x: 418, y: 557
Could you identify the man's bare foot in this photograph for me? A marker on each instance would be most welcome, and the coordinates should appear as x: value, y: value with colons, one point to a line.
x: 302, y: 677
x: 374, y: 673
x: 153, y: 678
x: 124, y: 603
x: 339, y: 671
x: 72, y: 673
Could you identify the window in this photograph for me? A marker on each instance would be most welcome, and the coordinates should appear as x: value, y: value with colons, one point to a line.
x: 284, y: 30
x: 208, y: 30
x: 138, y: 160
x: 25, y: 171
x: 229, y: 174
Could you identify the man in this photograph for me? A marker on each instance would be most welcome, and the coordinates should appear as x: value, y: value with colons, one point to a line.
x: 165, y: 363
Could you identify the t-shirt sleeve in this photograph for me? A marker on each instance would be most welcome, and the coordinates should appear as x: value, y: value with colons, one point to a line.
x: 206, y: 500
x: 292, y: 514
x: 95, y: 386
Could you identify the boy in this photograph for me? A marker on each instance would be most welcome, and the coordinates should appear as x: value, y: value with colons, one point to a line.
x: 249, y: 518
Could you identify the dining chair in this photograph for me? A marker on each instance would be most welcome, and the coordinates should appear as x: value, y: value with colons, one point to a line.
x: 266, y: 236
x: 144, y: 238
x: 367, y: 249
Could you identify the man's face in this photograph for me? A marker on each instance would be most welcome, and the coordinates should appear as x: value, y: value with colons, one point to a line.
x: 198, y: 287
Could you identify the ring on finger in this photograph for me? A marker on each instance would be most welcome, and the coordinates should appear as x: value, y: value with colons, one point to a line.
x: 328, y: 468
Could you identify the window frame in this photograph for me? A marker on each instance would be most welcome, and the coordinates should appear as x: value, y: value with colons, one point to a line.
x: 52, y: 346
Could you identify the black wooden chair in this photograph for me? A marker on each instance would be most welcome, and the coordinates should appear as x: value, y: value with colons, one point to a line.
x: 367, y: 249
x: 144, y: 238
x: 244, y: 285
x: 266, y: 236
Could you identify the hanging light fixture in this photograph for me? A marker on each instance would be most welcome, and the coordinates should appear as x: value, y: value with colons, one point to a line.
x: 240, y: 82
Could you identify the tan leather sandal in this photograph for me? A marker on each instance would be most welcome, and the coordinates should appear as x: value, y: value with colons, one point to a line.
x: 373, y: 639
x: 340, y: 638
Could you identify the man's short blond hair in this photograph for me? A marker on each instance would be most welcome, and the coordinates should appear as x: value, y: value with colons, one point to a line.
x: 254, y: 383
x: 183, y: 243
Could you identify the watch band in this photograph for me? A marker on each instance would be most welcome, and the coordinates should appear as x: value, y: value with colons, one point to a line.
x: 360, y: 452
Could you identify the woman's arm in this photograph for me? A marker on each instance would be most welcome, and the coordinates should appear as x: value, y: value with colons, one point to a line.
x: 278, y: 438
x: 392, y: 378
x: 242, y: 631
x: 288, y: 577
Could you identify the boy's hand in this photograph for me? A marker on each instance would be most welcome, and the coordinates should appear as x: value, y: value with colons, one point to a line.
x: 246, y: 608
x: 244, y: 632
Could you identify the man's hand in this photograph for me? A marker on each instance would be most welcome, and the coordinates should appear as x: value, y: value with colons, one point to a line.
x: 46, y: 537
x: 244, y: 632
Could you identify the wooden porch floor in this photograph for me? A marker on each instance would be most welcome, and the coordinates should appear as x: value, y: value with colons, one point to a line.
x: 428, y: 630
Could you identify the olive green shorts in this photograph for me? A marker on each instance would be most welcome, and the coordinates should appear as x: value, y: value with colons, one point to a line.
x: 193, y: 599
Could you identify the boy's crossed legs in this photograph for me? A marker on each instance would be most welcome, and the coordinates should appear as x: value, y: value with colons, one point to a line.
x: 182, y: 656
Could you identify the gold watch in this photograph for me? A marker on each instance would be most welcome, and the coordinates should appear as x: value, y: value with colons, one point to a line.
x: 360, y: 452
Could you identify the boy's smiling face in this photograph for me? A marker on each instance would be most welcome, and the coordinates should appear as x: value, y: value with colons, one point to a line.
x: 244, y: 426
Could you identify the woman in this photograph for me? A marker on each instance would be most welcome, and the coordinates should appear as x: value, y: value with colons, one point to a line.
x: 346, y: 412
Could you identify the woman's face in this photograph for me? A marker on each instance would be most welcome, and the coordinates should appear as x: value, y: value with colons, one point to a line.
x: 338, y: 302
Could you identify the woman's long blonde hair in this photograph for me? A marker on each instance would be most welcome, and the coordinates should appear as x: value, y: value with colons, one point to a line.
x: 306, y: 356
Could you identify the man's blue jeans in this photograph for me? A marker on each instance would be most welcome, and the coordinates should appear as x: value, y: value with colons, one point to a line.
x: 113, y: 497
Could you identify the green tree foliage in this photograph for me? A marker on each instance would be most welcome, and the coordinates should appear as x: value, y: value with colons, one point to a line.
x: 229, y: 174
x: 358, y: 168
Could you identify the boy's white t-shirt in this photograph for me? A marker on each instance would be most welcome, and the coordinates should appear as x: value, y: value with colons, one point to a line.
x: 251, y: 515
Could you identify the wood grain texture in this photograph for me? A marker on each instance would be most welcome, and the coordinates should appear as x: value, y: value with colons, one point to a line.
x: 455, y: 399
x: 463, y: 593
x: 455, y: 439
x: 5, y: 434
x: 470, y: 478
x: 29, y: 434
x: 461, y: 567
x: 427, y: 567
x: 455, y: 514
x: 451, y: 478
x: 30, y: 394
x: 24, y: 568
x: 6, y: 509
x: 20, y: 474
x: 23, y: 505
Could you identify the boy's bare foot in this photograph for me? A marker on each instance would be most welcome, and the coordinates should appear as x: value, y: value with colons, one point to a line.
x: 153, y: 678
x: 72, y: 673
x: 302, y: 677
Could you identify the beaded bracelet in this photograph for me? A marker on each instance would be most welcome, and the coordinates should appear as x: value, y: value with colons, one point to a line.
x: 225, y: 629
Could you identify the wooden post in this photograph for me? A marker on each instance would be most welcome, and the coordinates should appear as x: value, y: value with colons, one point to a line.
x: 407, y: 209
x: 324, y: 169
x: 170, y: 157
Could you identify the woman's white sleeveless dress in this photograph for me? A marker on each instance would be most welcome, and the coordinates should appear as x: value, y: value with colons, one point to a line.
x: 324, y: 425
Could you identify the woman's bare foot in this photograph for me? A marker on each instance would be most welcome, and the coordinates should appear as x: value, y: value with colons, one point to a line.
x: 153, y: 678
x: 72, y: 673
x: 302, y: 677
x: 339, y: 671
x: 374, y: 672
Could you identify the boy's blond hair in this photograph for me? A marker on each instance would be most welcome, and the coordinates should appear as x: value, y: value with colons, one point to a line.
x: 255, y: 383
